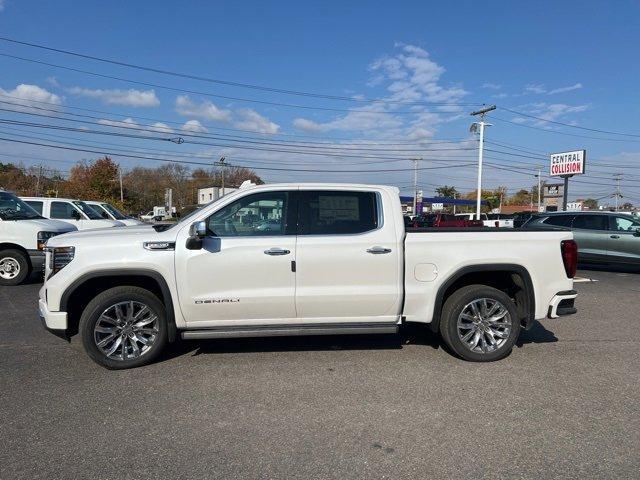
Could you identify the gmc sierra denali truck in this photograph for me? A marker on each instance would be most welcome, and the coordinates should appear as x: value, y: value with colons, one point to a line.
x: 335, y: 259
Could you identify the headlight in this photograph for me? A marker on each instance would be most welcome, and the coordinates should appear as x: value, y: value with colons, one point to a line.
x: 59, y: 257
x: 43, y: 237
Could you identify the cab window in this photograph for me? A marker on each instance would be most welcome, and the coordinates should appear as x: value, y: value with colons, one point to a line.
x: 260, y: 214
x: 590, y: 222
x: 64, y: 211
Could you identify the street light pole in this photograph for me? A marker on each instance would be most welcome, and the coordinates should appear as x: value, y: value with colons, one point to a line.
x: 474, y: 129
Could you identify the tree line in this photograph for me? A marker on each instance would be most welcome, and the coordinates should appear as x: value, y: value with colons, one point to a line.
x: 101, y: 179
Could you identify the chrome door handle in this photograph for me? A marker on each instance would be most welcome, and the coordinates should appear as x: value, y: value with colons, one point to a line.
x: 615, y: 236
x: 275, y: 251
x: 378, y: 250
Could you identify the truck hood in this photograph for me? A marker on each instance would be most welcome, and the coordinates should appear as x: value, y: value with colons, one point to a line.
x: 42, y: 225
x: 122, y: 235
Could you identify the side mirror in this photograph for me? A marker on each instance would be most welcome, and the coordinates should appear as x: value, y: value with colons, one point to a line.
x: 197, y: 232
x: 105, y: 215
x: 75, y: 214
x: 637, y: 232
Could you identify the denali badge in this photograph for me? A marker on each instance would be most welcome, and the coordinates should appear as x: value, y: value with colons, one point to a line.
x: 218, y: 300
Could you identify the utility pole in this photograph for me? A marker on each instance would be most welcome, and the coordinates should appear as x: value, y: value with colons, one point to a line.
x: 221, y: 163
x: 539, y: 186
x: 415, y: 184
x: 474, y: 128
x: 617, y: 177
x: 120, y: 177
x: 38, y: 182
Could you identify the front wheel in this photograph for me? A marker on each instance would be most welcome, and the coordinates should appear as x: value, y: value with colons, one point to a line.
x: 14, y: 267
x: 124, y: 327
x: 480, y: 323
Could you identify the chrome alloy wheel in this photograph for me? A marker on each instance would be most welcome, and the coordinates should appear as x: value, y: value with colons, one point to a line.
x: 484, y: 325
x: 126, y: 330
x: 9, y: 268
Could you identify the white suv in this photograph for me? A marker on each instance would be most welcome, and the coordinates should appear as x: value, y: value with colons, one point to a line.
x: 106, y: 210
x: 73, y: 211
x: 23, y: 235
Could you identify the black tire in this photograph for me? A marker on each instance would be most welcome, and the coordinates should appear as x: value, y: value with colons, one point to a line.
x: 455, y: 305
x: 102, y: 303
x: 24, y: 266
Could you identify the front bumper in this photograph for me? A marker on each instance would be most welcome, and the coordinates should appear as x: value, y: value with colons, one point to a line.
x: 562, y: 303
x: 52, y: 320
x: 37, y: 258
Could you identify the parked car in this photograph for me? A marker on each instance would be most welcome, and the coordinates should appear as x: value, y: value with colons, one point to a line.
x: 23, y: 236
x: 602, y: 237
x: 490, y: 219
x: 106, y: 210
x: 499, y: 220
x: 157, y: 214
x: 343, y: 264
x: 72, y: 211
x: 443, y: 220
x: 520, y: 218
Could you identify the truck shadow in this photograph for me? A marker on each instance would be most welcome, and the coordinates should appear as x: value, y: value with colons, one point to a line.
x: 536, y: 334
x: 408, y: 335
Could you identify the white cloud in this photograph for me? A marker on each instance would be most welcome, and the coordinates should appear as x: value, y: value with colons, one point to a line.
x: 161, y: 127
x: 409, y: 76
x: 1, y: 5
x: 130, y: 97
x: 205, y: 109
x: 53, y: 81
x: 25, y: 95
x: 548, y: 111
x: 126, y: 123
x: 27, y: 92
x: 491, y: 86
x: 565, y: 89
x: 193, y: 126
x: 535, y: 88
x: 252, y: 120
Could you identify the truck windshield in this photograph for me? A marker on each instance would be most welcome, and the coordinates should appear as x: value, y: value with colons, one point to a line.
x: 88, y: 211
x: 12, y: 208
x: 117, y: 214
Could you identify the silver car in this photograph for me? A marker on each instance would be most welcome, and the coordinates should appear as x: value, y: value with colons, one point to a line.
x: 602, y: 237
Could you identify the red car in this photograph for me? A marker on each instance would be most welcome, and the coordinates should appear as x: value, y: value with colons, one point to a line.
x: 444, y: 220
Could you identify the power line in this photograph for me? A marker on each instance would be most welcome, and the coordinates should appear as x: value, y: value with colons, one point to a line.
x: 213, y: 95
x: 222, y: 82
x: 555, y: 122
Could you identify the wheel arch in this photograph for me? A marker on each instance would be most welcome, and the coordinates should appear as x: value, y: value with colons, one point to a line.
x: 77, y: 295
x: 510, y: 278
x: 15, y: 246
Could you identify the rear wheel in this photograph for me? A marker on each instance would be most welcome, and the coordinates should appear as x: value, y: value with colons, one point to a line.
x: 14, y: 267
x: 480, y: 323
x: 124, y: 327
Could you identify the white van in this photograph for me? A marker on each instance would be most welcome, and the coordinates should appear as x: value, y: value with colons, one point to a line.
x: 106, y: 210
x: 23, y: 235
x: 73, y: 211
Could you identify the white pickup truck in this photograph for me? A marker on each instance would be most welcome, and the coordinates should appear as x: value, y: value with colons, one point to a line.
x: 336, y: 259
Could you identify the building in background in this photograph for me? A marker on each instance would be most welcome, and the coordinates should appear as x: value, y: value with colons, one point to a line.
x: 210, y: 194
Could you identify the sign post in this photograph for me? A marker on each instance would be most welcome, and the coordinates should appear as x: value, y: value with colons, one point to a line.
x: 566, y: 165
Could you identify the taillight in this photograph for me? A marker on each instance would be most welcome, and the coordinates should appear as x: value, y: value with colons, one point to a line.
x: 569, y: 250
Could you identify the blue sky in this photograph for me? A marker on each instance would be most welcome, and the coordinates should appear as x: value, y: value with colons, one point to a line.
x: 572, y: 62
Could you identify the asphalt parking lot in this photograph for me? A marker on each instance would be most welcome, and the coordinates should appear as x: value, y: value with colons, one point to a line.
x: 564, y: 404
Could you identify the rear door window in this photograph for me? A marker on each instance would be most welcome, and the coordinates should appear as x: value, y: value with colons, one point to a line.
x: 37, y: 206
x: 590, y: 222
x: 64, y: 211
x: 623, y: 224
x: 337, y: 212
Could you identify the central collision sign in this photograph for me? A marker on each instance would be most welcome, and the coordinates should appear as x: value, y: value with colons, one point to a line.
x: 568, y: 163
